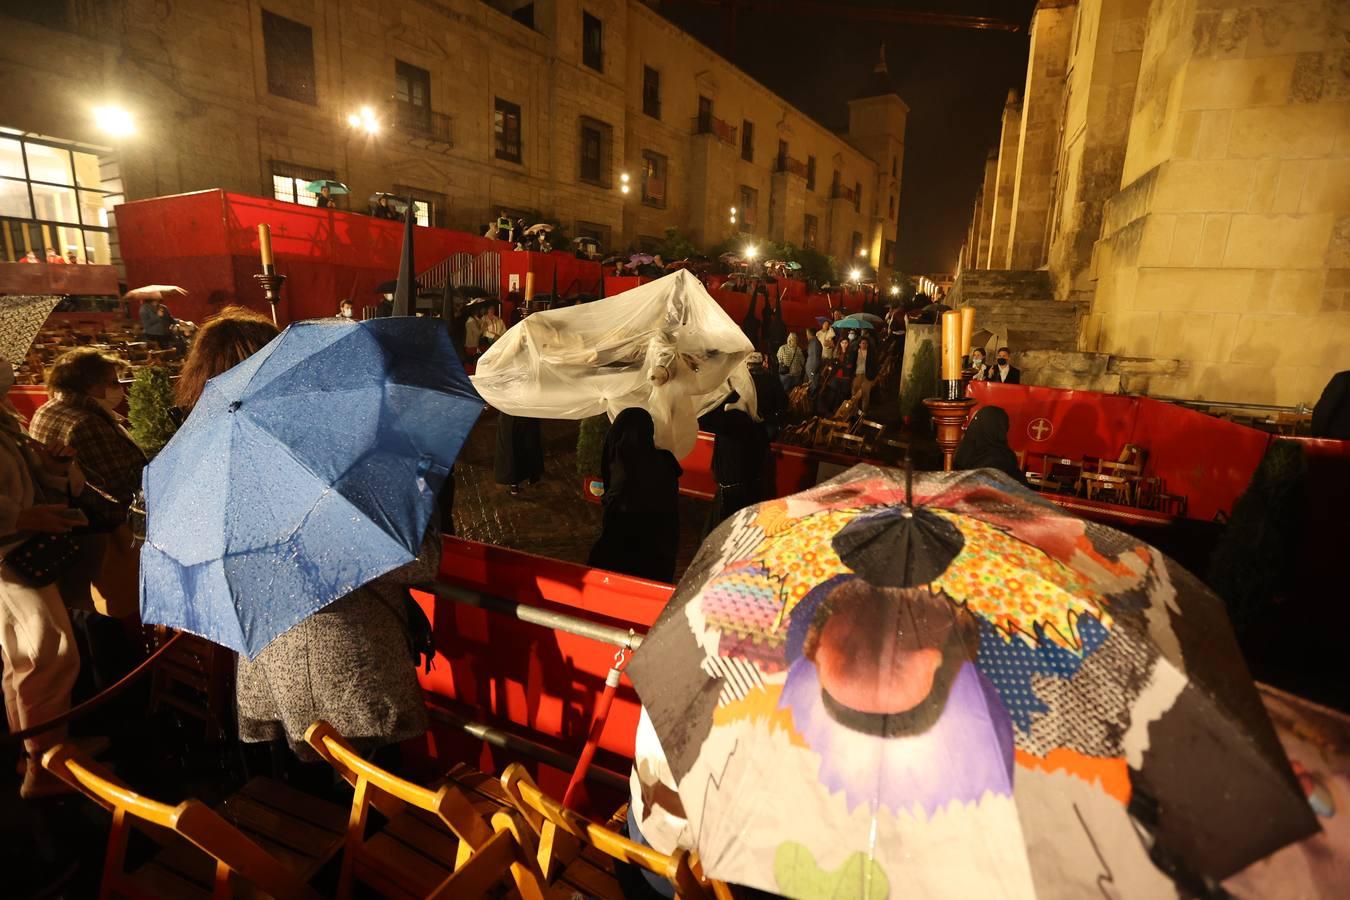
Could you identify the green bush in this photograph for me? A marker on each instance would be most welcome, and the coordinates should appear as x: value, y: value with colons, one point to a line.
x: 1256, y: 557
x: 591, y: 444
x: 676, y: 245
x: 921, y: 382
x: 149, y: 407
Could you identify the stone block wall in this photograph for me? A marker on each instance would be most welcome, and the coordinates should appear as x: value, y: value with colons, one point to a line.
x: 1229, y: 244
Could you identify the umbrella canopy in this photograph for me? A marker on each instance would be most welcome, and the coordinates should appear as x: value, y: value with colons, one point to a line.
x: 977, y: 696
x: 869, y: 317
x: 155, y: 292
x: 334, y: 187
x: 641, y: 259
x: 304, y: 472
x: 398, y: 203
x: 21, y: 318
x: 855, y: 321
x: 665, y: 346
x: 386, y: 287
x: 541, y: 228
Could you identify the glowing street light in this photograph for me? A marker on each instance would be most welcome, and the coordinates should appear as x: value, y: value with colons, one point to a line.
x: 624, y: 179
x: 854, y: 275
x: 751, y: 251
x: 364, y: 120
x: 895, y: 290
x: 114, y: 120
x: 862, y: 251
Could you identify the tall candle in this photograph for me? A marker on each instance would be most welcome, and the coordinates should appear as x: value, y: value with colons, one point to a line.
x: 967, y: 328
x: 265, y: 241
x: 529, y: 286
x: 951, y: 346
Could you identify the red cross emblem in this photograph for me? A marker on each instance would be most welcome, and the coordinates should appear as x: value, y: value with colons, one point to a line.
x: 1040, y: 429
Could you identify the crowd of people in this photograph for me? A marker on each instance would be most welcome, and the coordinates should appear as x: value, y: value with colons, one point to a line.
x: 52, y: 258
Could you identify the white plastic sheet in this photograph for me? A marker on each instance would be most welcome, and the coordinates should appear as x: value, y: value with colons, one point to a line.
x: 666, y: 347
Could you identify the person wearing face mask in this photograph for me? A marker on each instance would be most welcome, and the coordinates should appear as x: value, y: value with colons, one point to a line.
x: 345, y: 309
x: 81, y: 414
x: 1004, y: 371
x: 977, y: 363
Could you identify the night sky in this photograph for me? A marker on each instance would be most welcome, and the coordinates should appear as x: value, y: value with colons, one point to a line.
x: 955, y: 82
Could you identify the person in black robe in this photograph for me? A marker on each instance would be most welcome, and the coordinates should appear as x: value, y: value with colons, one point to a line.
x: 985, y: 445
x: 742, y: 463
x: 775, y: 332
x: 771, y: 400
x: 641, y: 531
x: 1331, y: 415
x: 750, y: 325
x: 520, y: 451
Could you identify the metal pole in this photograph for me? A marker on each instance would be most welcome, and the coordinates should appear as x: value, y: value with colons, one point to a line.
x: 516, y: 744
x: 605, y: 634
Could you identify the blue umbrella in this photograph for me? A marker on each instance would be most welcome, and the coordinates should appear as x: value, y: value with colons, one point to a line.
x: 853, y: 322
x: 304, y: 472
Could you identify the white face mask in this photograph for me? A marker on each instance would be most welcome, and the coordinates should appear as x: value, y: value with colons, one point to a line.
x: 346, y: 314
x: 112, y: 398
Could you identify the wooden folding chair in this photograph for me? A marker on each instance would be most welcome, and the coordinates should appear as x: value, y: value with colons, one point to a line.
x: 564, y: 836
x: 204, y: 855
x: 432, y: 844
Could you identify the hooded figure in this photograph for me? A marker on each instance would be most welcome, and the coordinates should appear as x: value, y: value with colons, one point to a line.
x: 641, y: 531
x: 985, y: 445
x: 741, y: 463
x: 775, y: 329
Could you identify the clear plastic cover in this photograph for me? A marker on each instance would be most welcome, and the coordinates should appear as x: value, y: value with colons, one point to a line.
x: 666, y: 347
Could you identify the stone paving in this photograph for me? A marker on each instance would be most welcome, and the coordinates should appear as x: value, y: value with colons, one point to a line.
x: 550, y: 518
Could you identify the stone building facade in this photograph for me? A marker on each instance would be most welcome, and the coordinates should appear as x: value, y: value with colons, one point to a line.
x: 1183, y: 175
x: 553, y: 107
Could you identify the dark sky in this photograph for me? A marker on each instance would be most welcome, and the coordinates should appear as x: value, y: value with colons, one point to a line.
x: 954, y: 80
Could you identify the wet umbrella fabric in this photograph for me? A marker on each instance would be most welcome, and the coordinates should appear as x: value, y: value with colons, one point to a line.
x: 982, y: 696
x: 854, y: 322
x: 302, y: 473
x: 21, y: 318
x: 334, y: 187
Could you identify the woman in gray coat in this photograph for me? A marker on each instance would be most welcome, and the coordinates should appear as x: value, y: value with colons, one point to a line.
x: 348, y: 664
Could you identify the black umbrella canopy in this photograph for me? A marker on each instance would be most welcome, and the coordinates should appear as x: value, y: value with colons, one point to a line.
x: 900, y: 548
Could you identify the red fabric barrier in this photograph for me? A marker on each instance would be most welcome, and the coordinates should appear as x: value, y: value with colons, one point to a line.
x: 1207, y: 460
x: 207, y: 242
x: 40, y: 278
x: 617, y: 284
x: 795, y: 468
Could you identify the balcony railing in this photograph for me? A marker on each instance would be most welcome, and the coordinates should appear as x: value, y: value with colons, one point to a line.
x: 842, y: 193
x: 421, y: 121
x: 791, y: 166
x: 725, y: 131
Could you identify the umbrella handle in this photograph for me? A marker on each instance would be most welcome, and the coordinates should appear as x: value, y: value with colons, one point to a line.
x: 573, y: 794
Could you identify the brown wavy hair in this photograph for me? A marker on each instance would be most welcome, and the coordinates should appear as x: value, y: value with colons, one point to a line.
x: 221, y: 344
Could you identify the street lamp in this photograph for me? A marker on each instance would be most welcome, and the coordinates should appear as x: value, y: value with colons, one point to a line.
x: 733, y: 215
x: 751, y: 251
x: 895, y: 290
x: 114, y: 121
x: 623, y: 185
x: 862, y: 251
x: 855, y: 275
x: 364, y: 120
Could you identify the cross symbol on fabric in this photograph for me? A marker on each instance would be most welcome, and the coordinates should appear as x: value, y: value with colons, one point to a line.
x: 1040, y: 429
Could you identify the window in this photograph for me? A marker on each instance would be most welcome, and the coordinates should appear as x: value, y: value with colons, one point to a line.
x: 748, y: 140
x: 749, y: 208
x: 705, y: 115
x: 857, y: 196
x: 892, y: 205
x: 289, y: 48
x: 781, y: 163
x: 506, y: 130
x: 809, y: 230
x: 810, y: 173
x: 651, y: 92
x: 524, y: 15
x: 412, y: 93
x: 592, y: 42
x: 890, y: 254
x: 288, y: 182
x: 834, y: 184
x: 594, y: 155
x: 429, y: 205
x: 856, y: 245
x: 55, y: 196
x: 895, y: 166
x: 653, y: 179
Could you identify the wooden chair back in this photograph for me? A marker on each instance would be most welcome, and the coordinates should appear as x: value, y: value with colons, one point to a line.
x: 1131, y: 455
x: 553, y: 825
x: 236, y: 857
x: 391, y: 795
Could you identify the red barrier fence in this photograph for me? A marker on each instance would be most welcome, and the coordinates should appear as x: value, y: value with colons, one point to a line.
x: 1206, y: 460
x: 207, y: 242
x: 40, y: 278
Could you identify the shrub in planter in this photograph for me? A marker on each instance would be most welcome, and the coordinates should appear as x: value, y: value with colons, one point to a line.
x: 150, y: 405
x: 921, y: 381
x: 590, y: 445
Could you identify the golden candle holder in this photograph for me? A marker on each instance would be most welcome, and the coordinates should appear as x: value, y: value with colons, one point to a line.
x: 950, y: 418
x: 271, y: 284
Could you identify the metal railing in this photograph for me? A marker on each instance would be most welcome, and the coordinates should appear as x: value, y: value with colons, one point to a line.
x: 725, y: 131
x: 605, y: 634
x: 421, y: 121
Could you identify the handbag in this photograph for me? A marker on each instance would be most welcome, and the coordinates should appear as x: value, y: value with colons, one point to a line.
x: 43, y: 558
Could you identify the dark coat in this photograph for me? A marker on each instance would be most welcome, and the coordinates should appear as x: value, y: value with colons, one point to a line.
x: 1331, y: 415
x: 520, y: 450
x: 641, y: 531
x: 742, y: 463
x: 1014, y: 375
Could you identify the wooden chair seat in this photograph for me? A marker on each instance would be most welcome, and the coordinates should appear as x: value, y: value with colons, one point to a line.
x: 268, y: 836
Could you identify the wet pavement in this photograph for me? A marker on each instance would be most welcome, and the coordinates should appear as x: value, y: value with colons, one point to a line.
x: 550, y: 518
